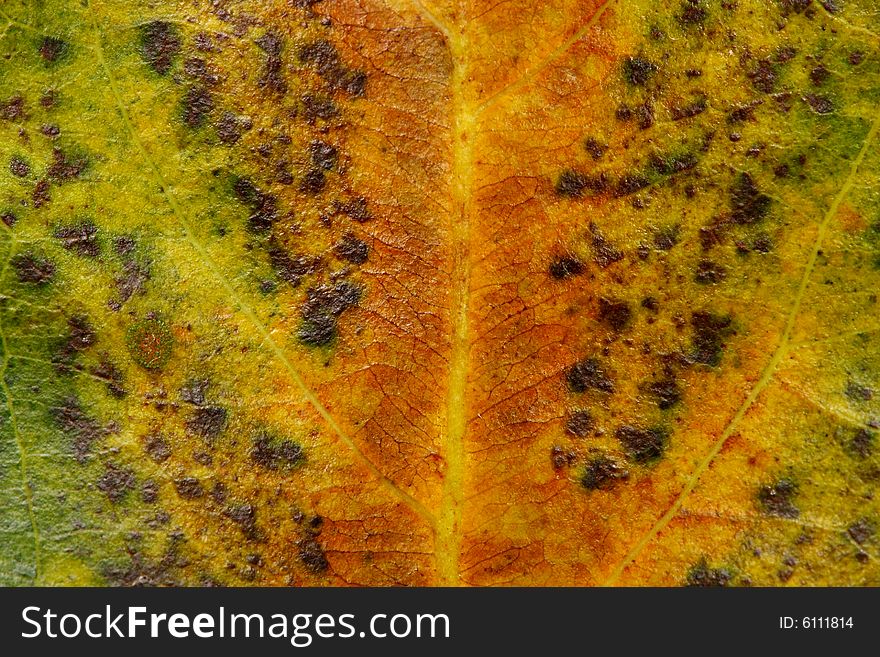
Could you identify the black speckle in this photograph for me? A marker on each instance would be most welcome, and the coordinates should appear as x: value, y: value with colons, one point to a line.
x: 116, y: 482
x: 702, y: 575
x: 197, y: 105
x: 580, y: 423
x: 19, y: 167
x: 776, y: 499
x: 616, y: 314
x: 323, y: 155
x: 31, y: 268
x: 709, y: 273
x: 642, y: 445
x: 70, y: 418
x: 637, y: 70
x: 160, y: 44
x: 189, y: 488
x: 352, y: 249
x: 157, y: 448
x: 601, y: 473
x: 80, y: 238
x: 324, y: 304
x: 710, y: 331
x: 748, y: 204
x: 566, y: 266
x: 276, y: 455
x: 588, y: 374
x: 207, y: 421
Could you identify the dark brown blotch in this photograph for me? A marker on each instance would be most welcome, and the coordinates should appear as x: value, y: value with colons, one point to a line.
x: 276, y: 454
x: 207, y: 422
x: 777, y: 499
x: 196, y: 105
x: 580, y: 423
x: 160, y: 45
x: 588, y: 374
x: 352, y: 249
x: 748, y: 204
x: 189, y: 488
x: 116, y: 481
x: 80, y: 238
x: 31, y: 268
x: 602, y: 473
x: 642, y: 445
x: 157, y: 447
x: 323, y: 306
x: 83, y: 430
x: 710, y: 332
x: 614, y: 313
x: 566, y: 266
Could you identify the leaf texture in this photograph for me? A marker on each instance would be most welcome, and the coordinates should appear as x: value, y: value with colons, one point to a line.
x: 398, y: 292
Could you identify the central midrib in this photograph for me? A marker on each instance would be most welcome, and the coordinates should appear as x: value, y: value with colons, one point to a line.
x: 448, y: 529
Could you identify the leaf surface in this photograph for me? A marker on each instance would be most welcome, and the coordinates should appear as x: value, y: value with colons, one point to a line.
x: 381, y: 292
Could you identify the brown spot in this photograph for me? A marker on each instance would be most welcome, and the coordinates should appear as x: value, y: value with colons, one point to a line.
x: 352, y: 249
x: 313, y: 182
x: 689, y: 110
x: 245, y: 516
x: 710, y: 331
x: 862, y: 443
x: 318, y: 107
x: 80, y: 238
x: 764, y: 77
x: 819, y: 104
x: 616, y: 314
x: 638, y: 70
x: 580, y: 423
x: 667, y: 237
x: 229, y: 128
x: 263, y: 206
x: 561, y: 458
x: 197, y: 105
x: 861, y: 531
x: 276, y: 455
x: 156, y: 447
x: 819, y: 75
x: 160, y: 45
x: 604, y: 253
x: 70, y: 418
x: 207, y: 422
x: 630, y: 184
x: 189, y: 488
x: 702, y: 575
x: 12, y: 109
x: 31, y: 268
x: 52, y: 48
x: 312, y: 554
x: 748, y: 204
x: 291, y: 270
x: 19, y: 167
x: 588, y: 374
x: 709, y: 273
x: 324, y: 304
x: 116, y: 481
x: 323, y: 155
x: 601, y: 473
x: 642, y: 445
x: 595, y: 148
x: 566, y: 266
x: 776, y: 499
x: 573, y: 184
x: 64, y: 168
x: 666, y: 392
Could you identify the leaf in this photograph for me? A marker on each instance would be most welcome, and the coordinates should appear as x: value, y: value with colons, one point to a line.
x: 408, y: 292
